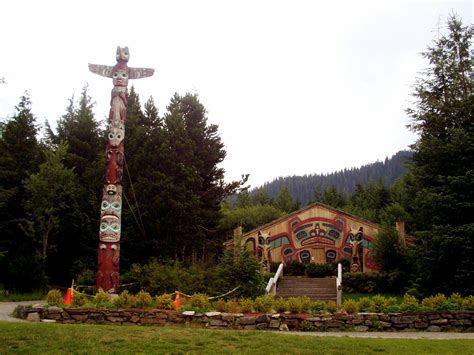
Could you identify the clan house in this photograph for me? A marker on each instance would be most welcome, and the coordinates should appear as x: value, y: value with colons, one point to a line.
x: 315, y: 234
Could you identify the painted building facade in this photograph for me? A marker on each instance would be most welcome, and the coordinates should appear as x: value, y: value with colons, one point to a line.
x: 315, y: 234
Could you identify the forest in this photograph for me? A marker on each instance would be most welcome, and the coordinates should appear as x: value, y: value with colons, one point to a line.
x: 179, y: 207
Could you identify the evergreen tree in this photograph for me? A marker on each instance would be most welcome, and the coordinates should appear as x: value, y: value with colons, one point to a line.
x: 334, y: 198
x: 260, y: 196
x: 243, y: 199
x: 51, y: 191
x: 20, y: 156
x: 443, y: 164
x: 369, y: 201
x: 199, y: 150
x: 285, y: 202
x: 85, y: 155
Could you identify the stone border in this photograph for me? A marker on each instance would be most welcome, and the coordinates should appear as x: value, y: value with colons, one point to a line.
x: 424, y: 321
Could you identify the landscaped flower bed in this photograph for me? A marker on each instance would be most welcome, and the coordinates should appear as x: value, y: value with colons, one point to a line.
x: 436, y: 313
x: 201, y: 303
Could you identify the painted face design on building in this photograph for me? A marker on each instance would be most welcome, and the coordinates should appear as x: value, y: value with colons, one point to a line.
x: 109, y: 229
x: 116, y: 134
x: 120, y: 77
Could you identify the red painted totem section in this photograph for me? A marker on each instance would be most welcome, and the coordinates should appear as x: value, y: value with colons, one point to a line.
x: 111, y: 206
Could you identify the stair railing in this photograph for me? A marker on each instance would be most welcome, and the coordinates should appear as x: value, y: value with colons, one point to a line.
x: 271, y: 286
x: 339, y: 285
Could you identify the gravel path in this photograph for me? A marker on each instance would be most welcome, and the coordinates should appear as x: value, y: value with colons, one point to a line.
x: 388, y: 335
x: 6, y: 309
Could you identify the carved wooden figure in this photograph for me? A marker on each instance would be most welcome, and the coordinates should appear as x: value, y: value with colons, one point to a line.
x: 111, y: 206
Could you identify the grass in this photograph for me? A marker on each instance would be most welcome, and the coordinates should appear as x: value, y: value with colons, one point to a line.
x: 85, y: 338
x: 6, y: 296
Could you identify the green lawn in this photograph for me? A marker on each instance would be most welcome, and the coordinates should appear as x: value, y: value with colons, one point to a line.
x: 6, y: 296
x: 62, y: 338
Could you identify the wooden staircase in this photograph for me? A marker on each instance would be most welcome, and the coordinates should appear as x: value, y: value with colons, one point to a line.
x: 323, y: 289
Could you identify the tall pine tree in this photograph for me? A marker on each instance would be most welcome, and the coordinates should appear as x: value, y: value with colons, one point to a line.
x: 443, y: 168
x: 20, y: 156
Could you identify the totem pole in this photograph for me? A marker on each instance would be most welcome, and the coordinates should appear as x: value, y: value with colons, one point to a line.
x: 111, y: 206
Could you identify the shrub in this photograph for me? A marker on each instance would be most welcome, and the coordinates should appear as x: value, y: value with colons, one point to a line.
x: 240, y: 268
x: 246, y: 305
x: 331, y: 307
x: 320, y: 270
x: 263, y: 303
x: 468, y: 303
x: 409, y: 304
x: 54, y: 298
x: 377, y: 304
x: 305, y: 304
x: 101, y: 297
x: 307, y: 326
x: 318, y: 306
x: 158, y: 277
x: 164, y: 301
x: 358, y: 282
x: 294, y: 268
x: 221, y: 305
x: 350, y: 306
x: 414, y: 292
x: 436, y: 302
x: 79, y: 299
x: 233, y: 306
x: 132, y: 301
x: 280, y: 305
x: 144, y: 300
x: 200, y: 301
x: 86, y: 277
x: 122, y: 300
x: 364, y: 304
x: 392, y: 308
x: 298, y: 304
x: 370, y: 282
x: 346, y: 265
x: 454, y: 303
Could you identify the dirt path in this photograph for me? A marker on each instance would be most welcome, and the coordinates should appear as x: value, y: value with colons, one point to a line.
x: 7, y: 308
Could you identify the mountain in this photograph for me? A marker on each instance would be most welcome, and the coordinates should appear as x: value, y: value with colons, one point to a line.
x: 302, y: 187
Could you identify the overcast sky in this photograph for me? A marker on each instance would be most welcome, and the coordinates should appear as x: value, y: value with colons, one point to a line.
x: 296, y: 87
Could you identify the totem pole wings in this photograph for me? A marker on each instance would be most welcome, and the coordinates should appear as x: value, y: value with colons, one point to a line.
x: 102, y: 70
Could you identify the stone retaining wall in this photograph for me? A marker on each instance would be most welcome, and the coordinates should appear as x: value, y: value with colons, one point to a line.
x: 426, y: 321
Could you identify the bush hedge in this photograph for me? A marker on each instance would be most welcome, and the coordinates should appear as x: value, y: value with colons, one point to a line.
x: 201, y: 303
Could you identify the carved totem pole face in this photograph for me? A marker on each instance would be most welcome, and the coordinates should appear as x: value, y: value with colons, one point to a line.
x: 116, y: 134
x: 111, y: 204
x: 122, y: 54
x: 109, y: 228
x: 120, y: 77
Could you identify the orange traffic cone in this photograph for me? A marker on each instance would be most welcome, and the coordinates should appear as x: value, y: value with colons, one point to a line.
x: 177, y: 302
x: 68, y: 298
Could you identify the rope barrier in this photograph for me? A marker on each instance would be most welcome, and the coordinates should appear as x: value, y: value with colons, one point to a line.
x: 213, y: 297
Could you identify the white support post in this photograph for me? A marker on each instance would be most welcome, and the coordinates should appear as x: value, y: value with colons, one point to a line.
x: 339, y: 285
